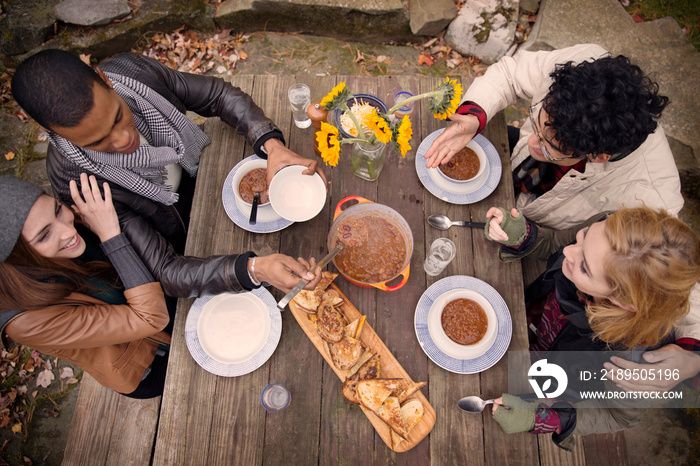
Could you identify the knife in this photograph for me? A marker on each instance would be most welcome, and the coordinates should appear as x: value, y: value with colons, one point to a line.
x: 302, y: 283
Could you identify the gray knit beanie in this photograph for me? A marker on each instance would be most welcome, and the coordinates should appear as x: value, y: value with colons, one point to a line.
x: 16, y: 200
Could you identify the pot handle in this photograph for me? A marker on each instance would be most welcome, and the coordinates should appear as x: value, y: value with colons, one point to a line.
x: 404, y: 272
x: 340, y: 207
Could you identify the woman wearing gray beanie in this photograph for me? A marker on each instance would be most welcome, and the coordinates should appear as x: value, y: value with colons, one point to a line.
x: 96, y: 307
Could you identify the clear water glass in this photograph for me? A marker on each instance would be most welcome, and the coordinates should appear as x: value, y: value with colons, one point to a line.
x: 441, y: 253
x: 300, y: 99
x: 275, y: 397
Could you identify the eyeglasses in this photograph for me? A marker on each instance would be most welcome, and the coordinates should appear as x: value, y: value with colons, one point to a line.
x: 545, y: 151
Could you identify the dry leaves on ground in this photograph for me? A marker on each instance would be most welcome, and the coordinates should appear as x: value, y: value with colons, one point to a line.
x: 191, y: 52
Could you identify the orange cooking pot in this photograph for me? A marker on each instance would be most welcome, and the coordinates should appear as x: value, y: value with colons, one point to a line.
x: 347, y: 208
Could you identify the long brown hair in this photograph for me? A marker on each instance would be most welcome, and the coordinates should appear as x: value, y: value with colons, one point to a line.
x: 31, y: 281
x: 654, y: 265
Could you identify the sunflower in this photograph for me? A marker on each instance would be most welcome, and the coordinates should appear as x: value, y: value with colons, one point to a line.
x: 328, y: 144
x: 380, y: 126
x: 338, y: 96
x: 404, y: 134
x: 445, y: 99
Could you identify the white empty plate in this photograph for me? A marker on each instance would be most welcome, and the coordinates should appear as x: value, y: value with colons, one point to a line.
x: 297, y: 197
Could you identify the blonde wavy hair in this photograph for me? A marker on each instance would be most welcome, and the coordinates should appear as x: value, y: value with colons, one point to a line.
x: 654, y: 265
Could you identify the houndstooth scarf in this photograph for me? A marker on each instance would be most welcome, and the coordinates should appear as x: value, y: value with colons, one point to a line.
x: 173, y: 138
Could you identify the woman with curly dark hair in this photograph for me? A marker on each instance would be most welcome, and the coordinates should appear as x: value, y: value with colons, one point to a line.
x: 591, y: 143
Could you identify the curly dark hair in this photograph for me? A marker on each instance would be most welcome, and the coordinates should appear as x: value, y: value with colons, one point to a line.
x: 605, y: 106
x: 55, y: 88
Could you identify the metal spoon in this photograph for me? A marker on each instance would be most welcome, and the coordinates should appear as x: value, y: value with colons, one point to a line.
x: 254, y: 209
x: 473, y: 404
x: 442, y: 222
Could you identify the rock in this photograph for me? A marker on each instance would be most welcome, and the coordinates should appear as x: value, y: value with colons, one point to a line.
x: 371, y: 21
x: 529, y: 6
x: 151, y: 16
x: 27, y: 23
x: 91, y: 12
x: 430, y: 17
x: 484, y: 28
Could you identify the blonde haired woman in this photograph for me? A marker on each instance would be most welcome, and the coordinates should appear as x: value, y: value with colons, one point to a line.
x: 623, y: 284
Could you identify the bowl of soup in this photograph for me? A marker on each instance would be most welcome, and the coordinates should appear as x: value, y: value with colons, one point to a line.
x: 250, y: 178
x: 466, y: 165
x: 463, y: 324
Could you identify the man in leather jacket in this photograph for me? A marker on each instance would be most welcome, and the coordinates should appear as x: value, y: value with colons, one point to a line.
x: 125, y: 123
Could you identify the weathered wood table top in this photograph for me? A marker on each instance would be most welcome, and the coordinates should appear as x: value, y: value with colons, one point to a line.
x: 211, y: 420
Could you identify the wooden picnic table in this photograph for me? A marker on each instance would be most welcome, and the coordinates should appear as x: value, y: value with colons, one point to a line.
x: 211, y: 420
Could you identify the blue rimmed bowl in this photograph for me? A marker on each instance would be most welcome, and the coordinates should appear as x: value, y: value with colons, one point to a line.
x: 370, y: 99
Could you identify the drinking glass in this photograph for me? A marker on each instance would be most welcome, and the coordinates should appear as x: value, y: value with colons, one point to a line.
x: 441, y: 253
x: 300, y: 99
x: 405, y: 109
x: 275, y: 397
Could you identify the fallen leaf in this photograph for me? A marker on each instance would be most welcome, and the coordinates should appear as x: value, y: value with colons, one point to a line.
x: 71, y: 381
x: 85, y: 58
x: 29, y: 365
x: 44, y: 378
x: 66, y: 372
x: 5, y: 419
x: 638, y: 18
x: 360, y: 57
x: 52, y: 412
x: 34, y: 393
x: 383, y: 59
x: 22, y: 389
x: 242, y: 55
x: 425, y: 59
x: 10, y: 155
x: 42, y: 136
x: 17, y: 428
x: 430, y: 42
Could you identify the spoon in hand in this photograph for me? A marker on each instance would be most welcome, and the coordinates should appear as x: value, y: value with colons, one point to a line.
x: 442, y: 222
x: 473, y: 404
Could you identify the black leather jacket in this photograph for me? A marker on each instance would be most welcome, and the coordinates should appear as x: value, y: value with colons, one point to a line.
x: 157, y: 231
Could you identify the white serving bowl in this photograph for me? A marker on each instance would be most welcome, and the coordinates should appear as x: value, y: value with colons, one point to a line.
x: 444, y: 342
x: 297, y: 197
x: 483, y: 163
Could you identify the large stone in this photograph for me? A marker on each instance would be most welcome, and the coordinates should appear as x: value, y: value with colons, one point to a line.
x: 372, y: 21
x: 27, y: 23
x: 430, y: 17
x: 529, y: 6
x: 91, y: 12
x: 484, y: 28
x: 151, y: 16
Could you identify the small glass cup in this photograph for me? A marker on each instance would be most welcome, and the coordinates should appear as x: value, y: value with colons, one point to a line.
x: 300, y: 99
x: 275, y: 397
x: 405, y: 109
x: 441, y: 253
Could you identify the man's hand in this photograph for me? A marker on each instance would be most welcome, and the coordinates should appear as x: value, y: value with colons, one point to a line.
x: 671, y: 357
x: 453, y: 139
x: 283, y: 272
x: 278, y: 157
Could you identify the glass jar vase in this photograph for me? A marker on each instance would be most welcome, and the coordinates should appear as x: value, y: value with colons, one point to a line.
x: 367, y: 160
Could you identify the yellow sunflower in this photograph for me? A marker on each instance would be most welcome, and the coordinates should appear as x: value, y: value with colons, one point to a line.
x: 328, y: 144
x: 403, y: 138
x: 338, y: 96
x: 380, y: 126
x: 446, y: 99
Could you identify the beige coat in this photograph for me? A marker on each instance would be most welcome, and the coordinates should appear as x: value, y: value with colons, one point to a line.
x: 114, y: 343
x: 646, y: 176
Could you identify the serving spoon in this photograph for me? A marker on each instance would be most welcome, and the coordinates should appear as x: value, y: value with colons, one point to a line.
x: 442, y: 222
x: 473, y: 404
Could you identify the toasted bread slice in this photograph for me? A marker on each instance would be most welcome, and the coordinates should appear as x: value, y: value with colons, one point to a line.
x: 411, y: 413
x: 351, y: 328
x: 406, y: 389
x: 366, y: 356
x: 333, y: 297
x: 346, y: 352
x: 373, y: 392
x: 395, y: 439
x: 326, y: 279
x: 368, y: 370
x: 330, y: 323
x: 308, y: 301
x: 390, y: 412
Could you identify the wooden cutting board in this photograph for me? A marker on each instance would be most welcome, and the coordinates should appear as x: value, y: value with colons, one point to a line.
x: 390, y: 368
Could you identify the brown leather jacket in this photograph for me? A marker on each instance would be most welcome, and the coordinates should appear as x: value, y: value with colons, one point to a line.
x: 114, y: 343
